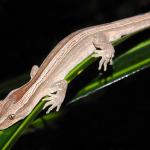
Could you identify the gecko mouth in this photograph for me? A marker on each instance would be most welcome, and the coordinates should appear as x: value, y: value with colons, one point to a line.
x: 9, y: 120
x: 5, y: 123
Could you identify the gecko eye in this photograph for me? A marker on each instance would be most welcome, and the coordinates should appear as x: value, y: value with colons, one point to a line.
x: 11, y: 116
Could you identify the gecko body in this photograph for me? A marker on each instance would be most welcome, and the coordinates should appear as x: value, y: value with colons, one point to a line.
x: 48, y: 79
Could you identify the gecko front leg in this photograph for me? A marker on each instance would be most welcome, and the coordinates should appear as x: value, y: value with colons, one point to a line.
x: 104, y: 49
x: 57, y: 92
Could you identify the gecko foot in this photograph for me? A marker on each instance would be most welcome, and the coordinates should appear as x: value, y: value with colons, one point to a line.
x: 106, y: 57
x: 104, y: 49
x: 56, y: 96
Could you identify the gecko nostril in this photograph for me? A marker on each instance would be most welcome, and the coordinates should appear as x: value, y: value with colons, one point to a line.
x: 11, y: 116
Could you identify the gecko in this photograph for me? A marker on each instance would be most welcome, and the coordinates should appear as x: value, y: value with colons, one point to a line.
x: 48, y: 79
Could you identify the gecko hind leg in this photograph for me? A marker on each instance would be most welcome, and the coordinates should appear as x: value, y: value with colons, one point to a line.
x: 104, y: 49
x: 56, y: 95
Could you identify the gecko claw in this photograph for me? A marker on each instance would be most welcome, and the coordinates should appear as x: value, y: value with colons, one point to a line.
x: 56, y: 96
x: 52, y: 102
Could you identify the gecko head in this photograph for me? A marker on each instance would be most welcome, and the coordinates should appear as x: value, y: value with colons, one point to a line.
x: 8, y: 111
x: 8, y: 116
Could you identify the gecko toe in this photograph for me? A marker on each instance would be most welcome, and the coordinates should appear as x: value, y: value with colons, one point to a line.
x: 50, y: 108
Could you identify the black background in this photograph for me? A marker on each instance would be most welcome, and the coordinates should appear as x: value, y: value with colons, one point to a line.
x: 118, y: 120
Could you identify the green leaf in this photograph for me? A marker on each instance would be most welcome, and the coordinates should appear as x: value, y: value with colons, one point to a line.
x: 128, y: 63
